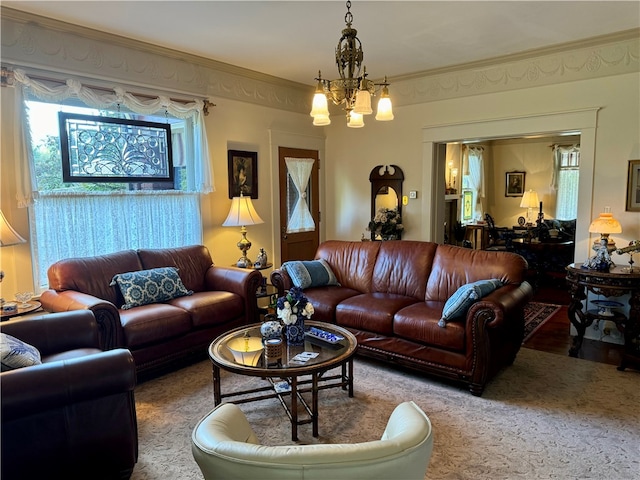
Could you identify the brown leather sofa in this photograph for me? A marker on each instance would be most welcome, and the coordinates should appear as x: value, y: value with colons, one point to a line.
x: 73, y: 416
x: 159, y: 335
x: 392, y: 294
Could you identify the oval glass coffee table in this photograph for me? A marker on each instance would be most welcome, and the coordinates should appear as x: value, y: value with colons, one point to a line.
x: 287, y: 378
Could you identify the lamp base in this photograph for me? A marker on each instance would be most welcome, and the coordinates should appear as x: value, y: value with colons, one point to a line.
x: 244, y: 262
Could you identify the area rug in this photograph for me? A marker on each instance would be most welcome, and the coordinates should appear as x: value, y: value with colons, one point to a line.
x: 535, y: 314
x: 546, y: 416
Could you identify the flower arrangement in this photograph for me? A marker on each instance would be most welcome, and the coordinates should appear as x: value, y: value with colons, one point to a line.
x: 293, y: 305
x: 387, y: 223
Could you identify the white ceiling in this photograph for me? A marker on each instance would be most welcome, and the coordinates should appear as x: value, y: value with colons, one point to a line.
x: 294, y: 39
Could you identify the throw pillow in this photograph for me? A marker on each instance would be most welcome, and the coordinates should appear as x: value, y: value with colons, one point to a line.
x: 457, y: 304
x: 310, y: 273
x: 15, y: 353
x: 150, y: 286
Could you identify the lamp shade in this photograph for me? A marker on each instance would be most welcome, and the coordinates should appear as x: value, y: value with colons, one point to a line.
x: 242, y: 213
x: 529, y: 200
x: 8, y: 236
x: 605, y: 223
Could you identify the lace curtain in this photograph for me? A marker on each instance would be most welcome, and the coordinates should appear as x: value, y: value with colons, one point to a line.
x: 564, y: 179
x: 79, y: 224
x: 300, y: 218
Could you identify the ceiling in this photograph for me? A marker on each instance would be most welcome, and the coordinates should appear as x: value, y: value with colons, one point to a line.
x: 295, y: 39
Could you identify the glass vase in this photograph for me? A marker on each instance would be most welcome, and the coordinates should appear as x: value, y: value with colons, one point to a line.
x: 295, y: 333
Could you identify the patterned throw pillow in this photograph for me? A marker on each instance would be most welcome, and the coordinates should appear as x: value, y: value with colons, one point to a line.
x: 310, y: 273
x: 150, y: 286
x: 15, y: 353
x: 458, y: 303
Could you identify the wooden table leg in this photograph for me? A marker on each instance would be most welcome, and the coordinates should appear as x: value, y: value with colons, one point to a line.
x: 217, y: 395
x: 314, y: 403
x: 579, y: 319
x: 294, y: 408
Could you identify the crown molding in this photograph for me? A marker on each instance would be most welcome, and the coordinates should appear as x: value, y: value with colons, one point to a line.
x: 597, y: 57
x: 35, y: 42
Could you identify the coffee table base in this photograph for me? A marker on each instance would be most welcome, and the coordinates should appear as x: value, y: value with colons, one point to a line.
x: 317, y: 382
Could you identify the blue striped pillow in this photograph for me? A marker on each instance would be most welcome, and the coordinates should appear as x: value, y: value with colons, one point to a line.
x: 310, y: 273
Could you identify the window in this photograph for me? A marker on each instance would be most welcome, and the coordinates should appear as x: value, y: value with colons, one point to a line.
x: 567, y: 169
x: 77, y: 219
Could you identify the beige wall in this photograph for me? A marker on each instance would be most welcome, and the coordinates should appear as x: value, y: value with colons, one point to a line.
x: 261, y: 113
x: 352, y: 153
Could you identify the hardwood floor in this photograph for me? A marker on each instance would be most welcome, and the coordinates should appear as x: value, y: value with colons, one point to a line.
x: 554, y: 336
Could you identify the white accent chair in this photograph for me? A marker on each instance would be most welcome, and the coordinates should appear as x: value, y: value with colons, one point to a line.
x: 225, y: 447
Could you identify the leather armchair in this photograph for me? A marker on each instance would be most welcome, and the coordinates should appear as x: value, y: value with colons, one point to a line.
x: 225, y: 446
x: 73, y: 416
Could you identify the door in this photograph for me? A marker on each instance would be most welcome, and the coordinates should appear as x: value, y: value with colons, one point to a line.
x: 299, y: 203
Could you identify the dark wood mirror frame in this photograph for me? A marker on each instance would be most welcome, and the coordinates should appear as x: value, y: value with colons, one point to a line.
x: 391, y: 177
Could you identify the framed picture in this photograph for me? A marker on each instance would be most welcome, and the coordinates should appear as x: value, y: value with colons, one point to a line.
x: 633, y: 186
x: 514, y: 184
x: 243, y: 174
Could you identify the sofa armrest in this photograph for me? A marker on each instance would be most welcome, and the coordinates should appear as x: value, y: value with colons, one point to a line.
x: 111, y: 334
x: 281, y: 280
x: 56, y: 332
x: 504, y: 302
x: 66, y: 382
x: 241, y: 281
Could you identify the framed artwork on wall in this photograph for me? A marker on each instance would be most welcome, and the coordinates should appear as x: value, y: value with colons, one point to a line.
x: 633, y: 186
x: 514, y: 184
x: 243, y: 173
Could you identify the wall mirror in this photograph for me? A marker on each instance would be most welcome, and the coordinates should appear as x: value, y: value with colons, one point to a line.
x: 386, y: 189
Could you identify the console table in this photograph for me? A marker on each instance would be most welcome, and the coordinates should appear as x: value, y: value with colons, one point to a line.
x: 614, y: 283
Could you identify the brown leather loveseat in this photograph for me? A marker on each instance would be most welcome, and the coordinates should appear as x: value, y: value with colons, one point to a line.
x: 391, y: 295
x: 157, y: 334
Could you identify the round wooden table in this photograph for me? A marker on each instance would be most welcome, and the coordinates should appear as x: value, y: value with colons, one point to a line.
x: 329, y: 356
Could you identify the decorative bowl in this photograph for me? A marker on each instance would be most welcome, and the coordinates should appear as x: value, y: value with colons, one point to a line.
x: 246, y: 350
x: 23, y: 298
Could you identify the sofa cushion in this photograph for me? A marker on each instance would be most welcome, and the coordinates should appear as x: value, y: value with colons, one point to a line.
x: 150, y: 286
x: 419, y: 323
x: 310, y: 273
x: 154, y: 323
x: 458, y: 304
x: 15, y: 353
x: 372, y: 312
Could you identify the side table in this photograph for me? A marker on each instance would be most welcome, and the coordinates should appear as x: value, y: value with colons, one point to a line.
x: 614, y: 283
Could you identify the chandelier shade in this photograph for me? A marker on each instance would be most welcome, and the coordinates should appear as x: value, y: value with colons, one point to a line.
x: 352, y: 90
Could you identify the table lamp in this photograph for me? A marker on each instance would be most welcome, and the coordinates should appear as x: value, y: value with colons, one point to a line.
x: 242, y: 214
x: 605, y: 224
x: 8, y: 236
x: 529, y: 201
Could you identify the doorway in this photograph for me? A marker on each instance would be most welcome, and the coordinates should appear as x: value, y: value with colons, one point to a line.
x: 299, y: 203
x: 435, y: 138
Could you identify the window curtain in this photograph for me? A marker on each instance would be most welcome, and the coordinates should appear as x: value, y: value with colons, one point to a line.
x: 105, y: 222
x: 473, y: 163
x: 558, y: 152
x: 300, y: 218
x: 202, y: 179
x: 565, y: 177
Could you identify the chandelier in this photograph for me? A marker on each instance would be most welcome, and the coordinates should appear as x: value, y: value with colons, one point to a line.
x: 352, y: 89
